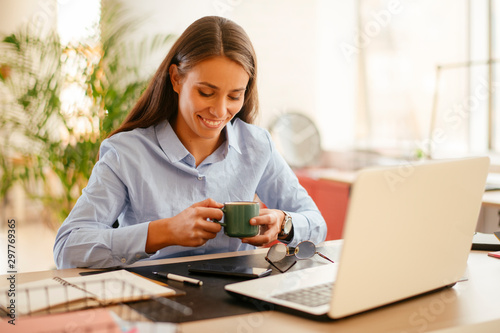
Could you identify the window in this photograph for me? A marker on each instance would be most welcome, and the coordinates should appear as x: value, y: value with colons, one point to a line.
x: 426, y: 77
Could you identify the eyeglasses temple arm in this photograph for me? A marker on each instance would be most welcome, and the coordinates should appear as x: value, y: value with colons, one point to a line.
x: 325, y: 257
x: 269, y: 261
x: 279, y: 269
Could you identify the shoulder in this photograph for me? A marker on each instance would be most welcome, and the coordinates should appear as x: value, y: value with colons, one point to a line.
x: 128, y: 143
x: 251, y: 135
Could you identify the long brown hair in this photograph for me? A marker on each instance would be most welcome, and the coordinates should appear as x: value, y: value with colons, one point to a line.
x: 207, y: 37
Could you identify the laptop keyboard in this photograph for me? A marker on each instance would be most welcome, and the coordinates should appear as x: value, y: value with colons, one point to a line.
x: 310, y: 296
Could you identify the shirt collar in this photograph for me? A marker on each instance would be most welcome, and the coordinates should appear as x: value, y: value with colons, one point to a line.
x: 170, y: 143
x: 175, y: 150
x: 231, y: 136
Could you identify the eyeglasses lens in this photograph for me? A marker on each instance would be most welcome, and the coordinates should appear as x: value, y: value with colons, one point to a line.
x: 305, y: 250
x: 280, y: 251
x: 277, y: 252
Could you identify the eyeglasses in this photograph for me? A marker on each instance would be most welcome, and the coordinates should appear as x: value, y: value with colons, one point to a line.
x: 304, y: 250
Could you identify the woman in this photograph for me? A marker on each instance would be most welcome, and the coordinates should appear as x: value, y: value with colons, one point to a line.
x: 186, y: 147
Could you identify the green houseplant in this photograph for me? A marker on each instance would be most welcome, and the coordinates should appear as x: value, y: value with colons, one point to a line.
x: 30, y: 83
x: 48, y: 141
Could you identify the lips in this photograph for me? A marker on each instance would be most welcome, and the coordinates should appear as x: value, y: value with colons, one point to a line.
x: 210, y: 123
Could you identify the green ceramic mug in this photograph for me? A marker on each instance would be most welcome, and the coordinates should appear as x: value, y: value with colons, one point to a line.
x: 237, y: 215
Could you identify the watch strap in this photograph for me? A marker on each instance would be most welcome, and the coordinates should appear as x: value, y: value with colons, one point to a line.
x: 288, y: 218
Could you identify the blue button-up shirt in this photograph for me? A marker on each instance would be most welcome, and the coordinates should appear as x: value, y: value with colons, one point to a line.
x: 147, y: 174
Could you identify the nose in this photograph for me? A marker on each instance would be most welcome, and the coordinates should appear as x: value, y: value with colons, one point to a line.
x: 219, y: 108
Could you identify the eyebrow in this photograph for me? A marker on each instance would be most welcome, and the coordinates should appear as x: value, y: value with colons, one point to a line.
x: 217, y: 88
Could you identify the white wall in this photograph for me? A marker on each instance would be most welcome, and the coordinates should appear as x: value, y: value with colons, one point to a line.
x: 13, y: 13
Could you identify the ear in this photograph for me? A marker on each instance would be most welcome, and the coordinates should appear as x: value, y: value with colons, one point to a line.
x: 175, y: 78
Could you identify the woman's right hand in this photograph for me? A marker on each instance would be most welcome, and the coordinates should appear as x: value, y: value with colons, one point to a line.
x: 190, y: 227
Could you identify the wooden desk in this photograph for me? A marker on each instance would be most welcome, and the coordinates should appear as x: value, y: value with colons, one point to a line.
x: 474, y: 301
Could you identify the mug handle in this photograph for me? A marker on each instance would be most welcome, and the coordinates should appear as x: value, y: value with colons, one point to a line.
x: 217, y: 221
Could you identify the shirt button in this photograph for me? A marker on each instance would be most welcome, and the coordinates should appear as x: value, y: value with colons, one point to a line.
x: 123, y: 260
x: 200, y: 177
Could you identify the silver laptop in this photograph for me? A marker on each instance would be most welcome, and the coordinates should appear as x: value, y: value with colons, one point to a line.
x: 408, y: 231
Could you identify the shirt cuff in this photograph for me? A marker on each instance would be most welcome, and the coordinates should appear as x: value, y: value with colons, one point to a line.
x: 129, y: 243
x: 300, y: 229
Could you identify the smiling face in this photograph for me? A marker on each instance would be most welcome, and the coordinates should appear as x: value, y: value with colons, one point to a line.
x: 210, y: 95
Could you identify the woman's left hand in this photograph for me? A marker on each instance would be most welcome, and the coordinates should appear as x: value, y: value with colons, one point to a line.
x: 270, y: 221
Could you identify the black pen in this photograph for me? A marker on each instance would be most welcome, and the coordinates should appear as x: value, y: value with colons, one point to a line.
x: 179, y: 278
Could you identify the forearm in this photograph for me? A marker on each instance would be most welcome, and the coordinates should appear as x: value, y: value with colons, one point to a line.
x: 157, y: 237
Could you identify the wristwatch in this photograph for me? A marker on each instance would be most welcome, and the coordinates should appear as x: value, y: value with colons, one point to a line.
x: 286, y: 226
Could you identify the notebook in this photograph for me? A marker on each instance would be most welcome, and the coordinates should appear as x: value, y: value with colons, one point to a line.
x: 408, y: 231
x: 74, y: 293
